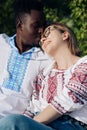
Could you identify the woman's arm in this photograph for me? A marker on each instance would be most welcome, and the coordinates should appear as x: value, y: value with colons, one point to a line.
x: 47, y: 115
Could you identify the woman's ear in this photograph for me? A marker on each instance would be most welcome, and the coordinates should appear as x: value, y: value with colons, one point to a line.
x: 65, y: 35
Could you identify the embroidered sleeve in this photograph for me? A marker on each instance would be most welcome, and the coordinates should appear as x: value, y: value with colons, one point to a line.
x: 37, y: 84
x: 74, y: 95
x: 78, y: 84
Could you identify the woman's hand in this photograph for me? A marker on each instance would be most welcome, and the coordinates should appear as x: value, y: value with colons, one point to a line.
x: 47, y: 115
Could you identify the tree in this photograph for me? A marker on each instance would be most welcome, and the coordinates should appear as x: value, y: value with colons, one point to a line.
x: 79, y: 18
x: 6, y: 17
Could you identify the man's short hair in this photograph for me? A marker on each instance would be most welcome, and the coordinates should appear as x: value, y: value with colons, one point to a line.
x: 22, y: 7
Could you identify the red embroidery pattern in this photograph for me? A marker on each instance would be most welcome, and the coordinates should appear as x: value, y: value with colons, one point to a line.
x: 38, y: 84
x: 77, y: 86
x: 52, y: 88
x: 78, y: 83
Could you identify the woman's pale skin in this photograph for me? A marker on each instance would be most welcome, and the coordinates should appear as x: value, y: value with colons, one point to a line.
x: 56, y: 45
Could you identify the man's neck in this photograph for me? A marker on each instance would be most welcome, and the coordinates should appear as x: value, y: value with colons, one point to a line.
x: 21, y: 47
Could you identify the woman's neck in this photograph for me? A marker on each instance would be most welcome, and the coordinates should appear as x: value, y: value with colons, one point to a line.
x: 65, y: 59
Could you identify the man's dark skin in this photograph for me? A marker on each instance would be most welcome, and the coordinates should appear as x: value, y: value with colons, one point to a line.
x: 28, y: 30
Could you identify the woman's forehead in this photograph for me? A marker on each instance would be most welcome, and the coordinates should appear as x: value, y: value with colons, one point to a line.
x: 53, y: 26
x: 48, y: 27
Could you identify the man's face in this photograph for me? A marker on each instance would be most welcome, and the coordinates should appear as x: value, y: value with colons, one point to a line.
x: 32, y: 27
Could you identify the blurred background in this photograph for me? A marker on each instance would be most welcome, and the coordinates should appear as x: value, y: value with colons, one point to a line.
x: 71, y: 12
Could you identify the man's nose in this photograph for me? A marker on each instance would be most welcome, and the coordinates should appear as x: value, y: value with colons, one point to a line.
x: 40, y: 30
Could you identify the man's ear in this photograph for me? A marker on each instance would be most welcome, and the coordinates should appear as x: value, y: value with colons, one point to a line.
x: 65, y: 35
x: 19, y: 25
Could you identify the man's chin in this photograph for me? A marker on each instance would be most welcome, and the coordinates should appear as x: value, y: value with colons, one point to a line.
x: 36, y: 43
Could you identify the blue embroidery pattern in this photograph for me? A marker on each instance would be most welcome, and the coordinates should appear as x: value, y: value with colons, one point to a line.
x: 17, y: 66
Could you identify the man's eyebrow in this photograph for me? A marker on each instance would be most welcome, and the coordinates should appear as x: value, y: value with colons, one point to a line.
x: 36, y: 22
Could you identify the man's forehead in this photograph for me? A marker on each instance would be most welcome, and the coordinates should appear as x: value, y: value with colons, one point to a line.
x: 35, y: 17
x: 36, y: 14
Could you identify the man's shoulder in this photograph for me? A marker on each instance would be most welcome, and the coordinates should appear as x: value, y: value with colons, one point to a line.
x: 4, y: 36
x: 81, y: 66
x: 4, y: 40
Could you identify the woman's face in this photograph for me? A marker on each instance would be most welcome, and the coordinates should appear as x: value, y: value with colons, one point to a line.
x: 51, y: 40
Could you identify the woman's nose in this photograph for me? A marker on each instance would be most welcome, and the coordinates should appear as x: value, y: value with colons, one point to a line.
x: 42, y: 40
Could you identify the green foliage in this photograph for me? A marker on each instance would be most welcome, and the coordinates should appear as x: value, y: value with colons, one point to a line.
x: 56, y: 10
x: 6, y: 17
x: 51, y: 14
x: 79, y: 17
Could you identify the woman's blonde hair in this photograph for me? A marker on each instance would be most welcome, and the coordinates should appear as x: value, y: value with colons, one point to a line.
x: 72, y: 44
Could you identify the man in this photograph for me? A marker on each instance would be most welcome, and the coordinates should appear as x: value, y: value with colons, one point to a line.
x: 20, y: 58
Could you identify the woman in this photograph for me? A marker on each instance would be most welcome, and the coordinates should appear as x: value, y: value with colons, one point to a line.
x: 59, y: 98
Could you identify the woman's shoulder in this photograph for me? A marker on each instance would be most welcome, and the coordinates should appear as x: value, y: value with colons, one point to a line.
x: 81, y: 64
x: 82, y: 60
